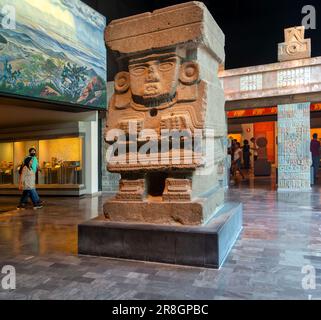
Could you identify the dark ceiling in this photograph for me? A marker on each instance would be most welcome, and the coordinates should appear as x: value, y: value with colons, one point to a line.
x: 252, y: 27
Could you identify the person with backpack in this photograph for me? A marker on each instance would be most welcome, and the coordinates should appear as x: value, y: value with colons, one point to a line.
x: 27, y: 184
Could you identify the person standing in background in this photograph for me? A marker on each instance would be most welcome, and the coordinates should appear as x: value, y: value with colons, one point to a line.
x: 254, y: 148
x: 246, y: 154
x: 315, y: 153
x: 234, y: 142
x: 237, y: 163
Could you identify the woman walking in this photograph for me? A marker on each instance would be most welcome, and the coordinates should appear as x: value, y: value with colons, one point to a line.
x: 27, y: 183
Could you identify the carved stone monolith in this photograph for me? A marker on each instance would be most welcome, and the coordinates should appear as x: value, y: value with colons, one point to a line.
x: 166, y: 135
x: 168, y: 108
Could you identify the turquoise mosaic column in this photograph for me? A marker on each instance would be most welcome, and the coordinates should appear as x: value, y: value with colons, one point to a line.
x: 294, y: 159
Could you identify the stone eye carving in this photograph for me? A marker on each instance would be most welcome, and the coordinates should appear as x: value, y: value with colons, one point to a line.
x: 139, y: 70
x: 122, y: 82
x: 166, y: 66
x: 189, y: 73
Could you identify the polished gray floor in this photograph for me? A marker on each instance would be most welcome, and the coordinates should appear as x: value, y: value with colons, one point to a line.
x: 281, y: 238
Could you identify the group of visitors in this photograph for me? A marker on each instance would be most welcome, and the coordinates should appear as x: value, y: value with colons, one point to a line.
x: 27, y: 181
x: 241, y: 155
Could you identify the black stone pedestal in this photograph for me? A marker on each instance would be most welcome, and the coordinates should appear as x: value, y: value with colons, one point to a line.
x: 202, y: 246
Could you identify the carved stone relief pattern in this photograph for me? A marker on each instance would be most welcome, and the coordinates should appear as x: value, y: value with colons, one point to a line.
x: 251, y: 82
x: 294, y: 77
x: 294, y: 146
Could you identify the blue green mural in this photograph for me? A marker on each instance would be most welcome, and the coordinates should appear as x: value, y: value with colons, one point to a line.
x: 56, y: 51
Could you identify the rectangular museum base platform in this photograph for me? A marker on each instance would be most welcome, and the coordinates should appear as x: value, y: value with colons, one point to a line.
x: 204, y: 246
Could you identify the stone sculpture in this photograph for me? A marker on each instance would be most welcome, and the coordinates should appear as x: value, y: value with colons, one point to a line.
x: 169, y: 61
x: 262, y: 167
x: 166, y: 134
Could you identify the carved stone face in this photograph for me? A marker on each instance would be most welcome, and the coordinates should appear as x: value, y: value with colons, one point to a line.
x: 154, y: 78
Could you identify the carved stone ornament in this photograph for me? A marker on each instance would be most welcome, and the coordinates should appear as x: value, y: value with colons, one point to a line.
x: 295, y: 45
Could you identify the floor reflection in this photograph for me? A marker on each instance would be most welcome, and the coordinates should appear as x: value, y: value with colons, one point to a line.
x: 281, y: 235
x: 52, y: 229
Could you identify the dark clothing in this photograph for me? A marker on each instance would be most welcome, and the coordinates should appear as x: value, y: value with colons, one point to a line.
x: 238, y: 163
x: 246, y: 148
x: 315, y: 152
x: 315, y: 148
x: 246, y: 156
x: 315, y: 165
x: 232, y: 152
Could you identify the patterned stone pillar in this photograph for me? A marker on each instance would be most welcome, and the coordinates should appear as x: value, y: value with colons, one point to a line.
x: 294, y: 160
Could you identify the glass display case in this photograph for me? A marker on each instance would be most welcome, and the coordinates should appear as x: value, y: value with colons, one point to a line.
x: 60, y: 161
x: 6, y: 163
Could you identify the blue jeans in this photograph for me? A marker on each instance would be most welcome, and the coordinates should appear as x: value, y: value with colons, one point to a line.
x: 315, y: 165
x: 33, y: 196
x: 36, y: 195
